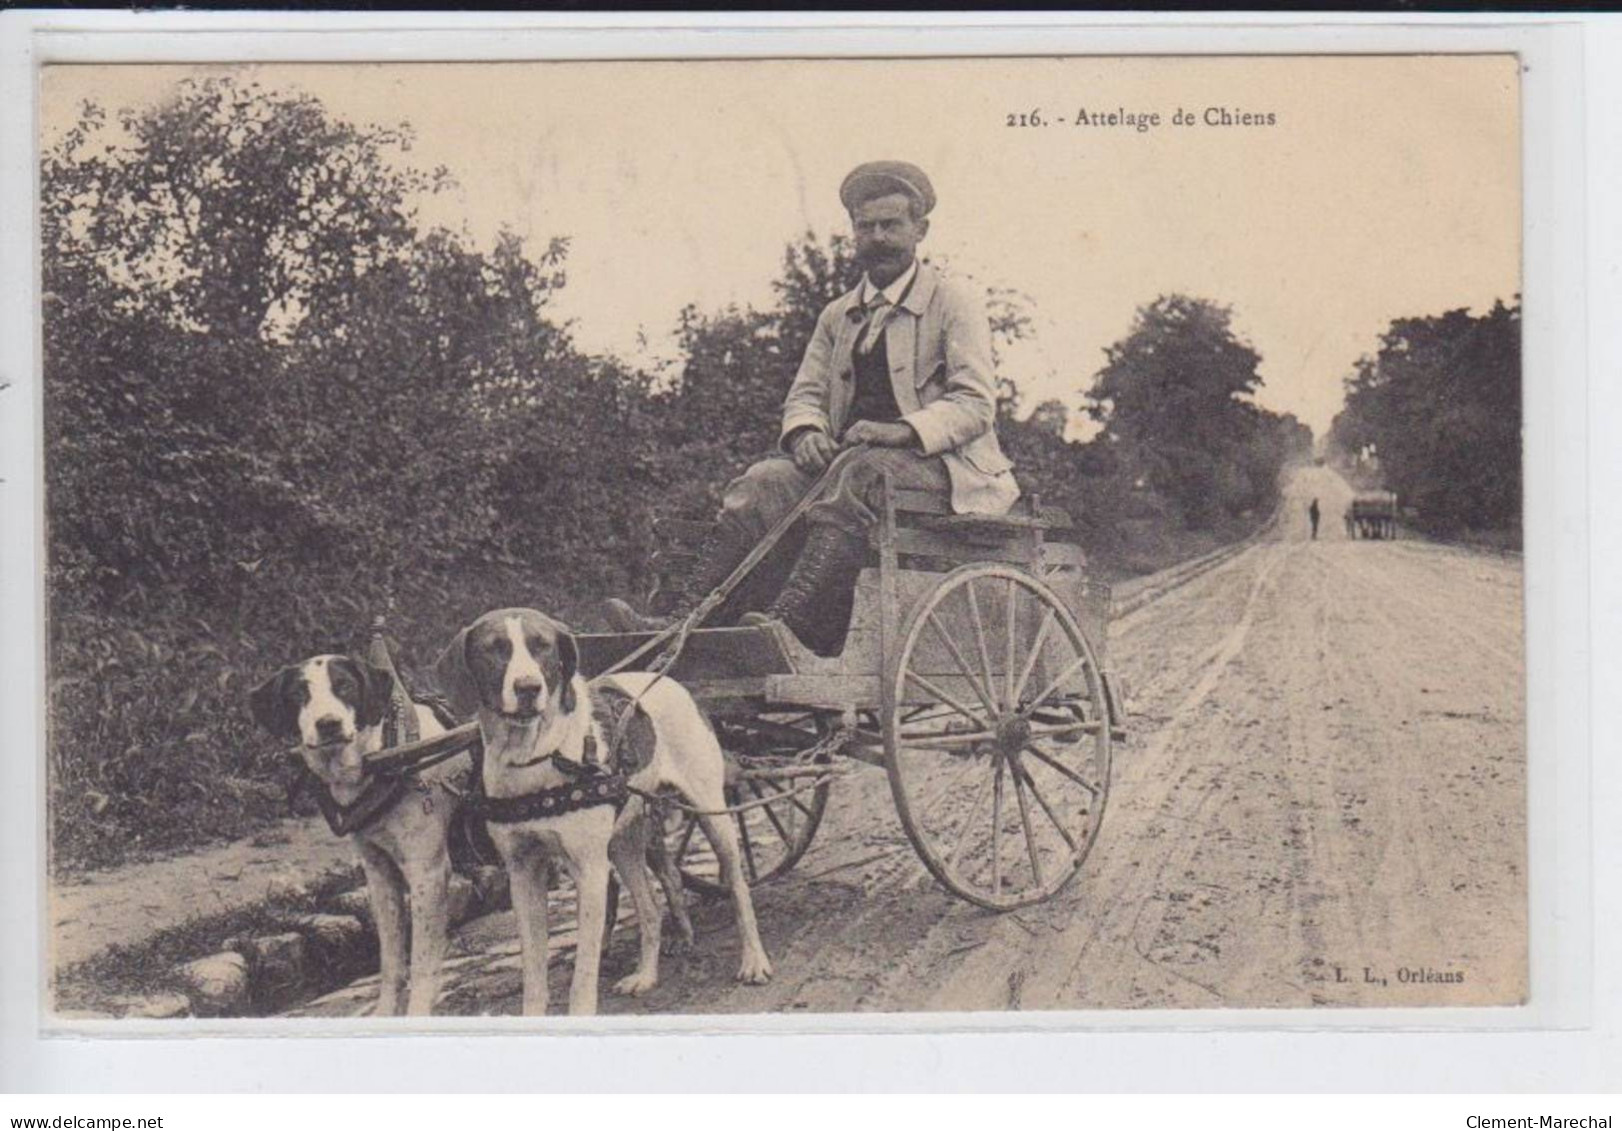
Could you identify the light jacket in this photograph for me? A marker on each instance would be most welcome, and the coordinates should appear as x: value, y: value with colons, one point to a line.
x: 939, y: 345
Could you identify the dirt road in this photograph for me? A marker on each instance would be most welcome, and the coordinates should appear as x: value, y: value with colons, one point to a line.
x: 1323, y: 801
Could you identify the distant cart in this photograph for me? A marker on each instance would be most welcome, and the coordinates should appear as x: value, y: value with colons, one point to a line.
x: 1373, y: 514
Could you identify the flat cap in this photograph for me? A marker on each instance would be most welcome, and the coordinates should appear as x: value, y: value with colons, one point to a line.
x: 881, y: 178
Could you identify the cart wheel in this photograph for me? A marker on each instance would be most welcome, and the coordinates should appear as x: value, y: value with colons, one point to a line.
x: 997, y: 736
x: 772, y: 836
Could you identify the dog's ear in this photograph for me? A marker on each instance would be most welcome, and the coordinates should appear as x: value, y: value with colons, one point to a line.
x: 569, y: 660
x: 376, y: 693
x: 271, y: 704
x: 454, y: 679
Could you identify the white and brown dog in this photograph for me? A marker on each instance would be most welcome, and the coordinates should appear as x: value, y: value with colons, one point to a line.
x: 540, y: 720
x: 334, y: 707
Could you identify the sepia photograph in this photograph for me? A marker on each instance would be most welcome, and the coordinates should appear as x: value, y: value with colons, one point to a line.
x: 783, y: 536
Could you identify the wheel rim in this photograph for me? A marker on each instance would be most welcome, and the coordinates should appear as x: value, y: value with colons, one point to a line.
x: 998, y: 744
x: 772, y: 836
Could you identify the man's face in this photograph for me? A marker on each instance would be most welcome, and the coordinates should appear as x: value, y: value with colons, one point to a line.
x: 886, y: 236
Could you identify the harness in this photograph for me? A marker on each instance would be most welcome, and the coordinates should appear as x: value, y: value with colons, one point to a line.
x: 380, y: 793
x: 592, y: 781
x: 594, y: 786
x: 383, y: 789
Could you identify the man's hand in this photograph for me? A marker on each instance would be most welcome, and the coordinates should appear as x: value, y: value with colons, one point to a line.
x: 814, y: 450
x: 881, y: 435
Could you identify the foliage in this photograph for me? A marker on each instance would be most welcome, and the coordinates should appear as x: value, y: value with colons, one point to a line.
x: 1439, y: 407
x: 737, y: 364
x: 1173, y: 397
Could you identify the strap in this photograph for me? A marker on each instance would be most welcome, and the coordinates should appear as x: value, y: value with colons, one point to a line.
x: 377, y: 797
x: 585, y: 792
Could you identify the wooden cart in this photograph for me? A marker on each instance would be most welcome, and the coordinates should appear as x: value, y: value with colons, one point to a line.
x: 1372, y: 514
x: 973, y: 674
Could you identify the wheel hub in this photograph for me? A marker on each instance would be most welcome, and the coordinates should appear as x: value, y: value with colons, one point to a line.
x: 1013, y: 733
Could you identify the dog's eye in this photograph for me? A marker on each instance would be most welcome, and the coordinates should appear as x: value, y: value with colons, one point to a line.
x: 536, y: 645
x: 504, y: 647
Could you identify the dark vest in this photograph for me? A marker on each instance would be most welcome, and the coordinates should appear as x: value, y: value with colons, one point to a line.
x: 874, y: 397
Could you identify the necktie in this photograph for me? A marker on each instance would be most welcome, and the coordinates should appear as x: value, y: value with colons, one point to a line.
x: 878, y: 313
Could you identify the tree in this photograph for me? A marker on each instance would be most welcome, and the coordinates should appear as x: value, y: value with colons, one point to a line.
x: 1440, y: 403
x: 1174, y: 395
x: 179, y: 251
x: 228, y: 208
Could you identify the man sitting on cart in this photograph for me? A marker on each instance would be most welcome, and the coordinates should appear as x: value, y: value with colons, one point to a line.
x: 900, y: 365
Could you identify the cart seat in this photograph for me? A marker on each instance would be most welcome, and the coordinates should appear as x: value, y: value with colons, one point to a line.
x: 934, y: 511
x: 927, y: 527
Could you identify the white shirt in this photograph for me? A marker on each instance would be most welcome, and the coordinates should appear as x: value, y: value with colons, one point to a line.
x: 893, y: 292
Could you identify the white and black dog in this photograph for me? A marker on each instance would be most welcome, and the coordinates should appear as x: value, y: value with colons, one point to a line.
x: 543, y: 725
x: 334, y: 707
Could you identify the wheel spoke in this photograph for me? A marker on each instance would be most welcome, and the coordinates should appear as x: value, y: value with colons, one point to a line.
x: 1063, y: 769
x: 1071, y: 669
x: 1013, y: 644
x: 1065, y: 730
x: 1048, y: 620
x: 1020, y: 771
x: 980, y: 641
x: 788, y: 812
x: 794, y: 800
x: 962, y: 840
x: 946, y: 740
x: 770, y: 816
x: 983, y: 693
x: 1030, y: 835
x: 787, y: 795
x: 996, y: 832
x: 944, y: 697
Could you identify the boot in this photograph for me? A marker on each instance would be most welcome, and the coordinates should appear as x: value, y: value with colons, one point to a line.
x: 723, y: 548
x: 815, y: 604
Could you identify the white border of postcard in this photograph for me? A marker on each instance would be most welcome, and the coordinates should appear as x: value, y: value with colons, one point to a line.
x: 1351, y: 1049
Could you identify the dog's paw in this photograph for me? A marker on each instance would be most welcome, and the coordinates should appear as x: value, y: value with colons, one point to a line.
x: 635, y: 985
x: 675, y: 944
x: 756, y: 970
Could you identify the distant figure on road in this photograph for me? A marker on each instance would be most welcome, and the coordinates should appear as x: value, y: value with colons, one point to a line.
x: 1312, y: 516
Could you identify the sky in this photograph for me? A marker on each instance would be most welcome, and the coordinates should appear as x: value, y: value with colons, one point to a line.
x: 1385, y: 187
